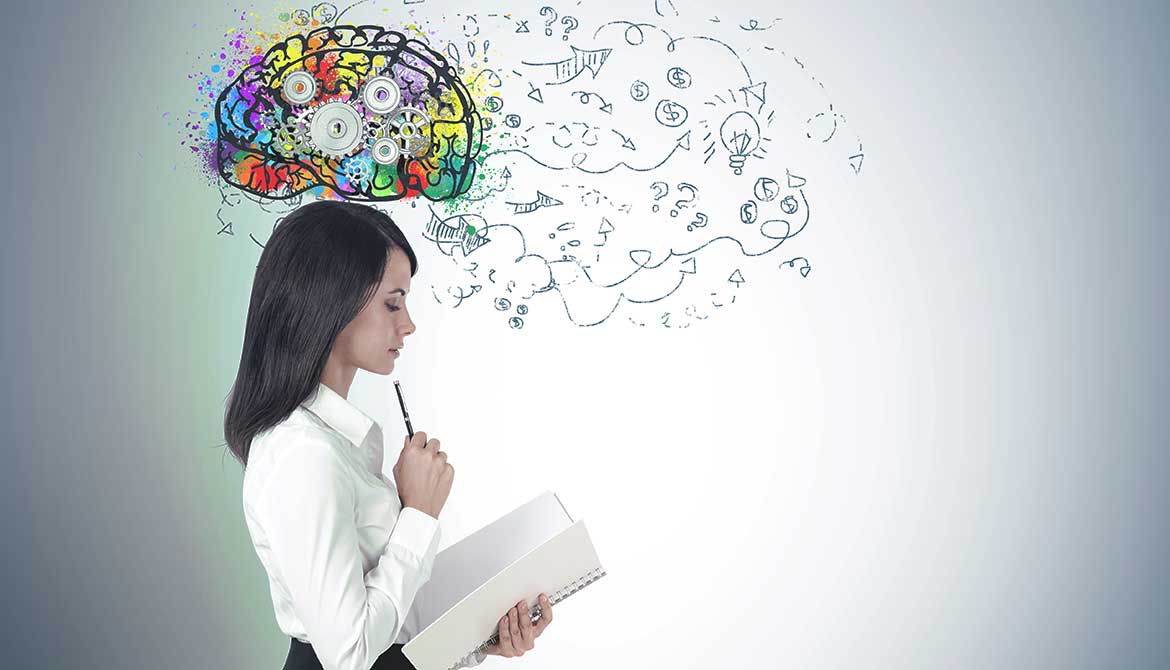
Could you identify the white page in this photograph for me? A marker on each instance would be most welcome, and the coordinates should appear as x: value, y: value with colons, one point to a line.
x: 469, y: 563
x: 558, y: 567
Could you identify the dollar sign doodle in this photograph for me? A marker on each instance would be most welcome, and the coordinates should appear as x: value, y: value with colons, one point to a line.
x: 670, y: 113
x: 639, y: 90
x: 678, y: 77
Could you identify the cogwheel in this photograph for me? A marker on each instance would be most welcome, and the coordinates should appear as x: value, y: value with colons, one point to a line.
x: 336, y: 129
x: 266, y: 121
x: 357, y: 170
x: 385, y: 151
x: 376, y: 128
x: 299, y: 87
x: 381, y: 95
x: 301, y: 117
x: 411, y: 130
x: 288, y: 140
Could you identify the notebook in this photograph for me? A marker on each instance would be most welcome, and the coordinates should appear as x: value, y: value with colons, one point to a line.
x: 536, y: 548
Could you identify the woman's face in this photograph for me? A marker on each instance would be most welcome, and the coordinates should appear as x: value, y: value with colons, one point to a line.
x: 372, y: 340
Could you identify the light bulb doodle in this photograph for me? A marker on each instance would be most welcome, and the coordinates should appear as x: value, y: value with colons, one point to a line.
x: 556, y: 195
x: 740, y: 134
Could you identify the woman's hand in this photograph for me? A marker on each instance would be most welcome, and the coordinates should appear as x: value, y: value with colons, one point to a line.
x: 517, y: 633
x: 422, y: 475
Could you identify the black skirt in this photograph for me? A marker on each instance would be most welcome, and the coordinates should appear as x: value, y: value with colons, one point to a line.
x: 302, y: 657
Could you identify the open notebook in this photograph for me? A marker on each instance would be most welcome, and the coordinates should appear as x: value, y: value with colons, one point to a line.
x: 536, y: 548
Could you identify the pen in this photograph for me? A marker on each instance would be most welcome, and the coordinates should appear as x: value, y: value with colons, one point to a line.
x: 402, y: 404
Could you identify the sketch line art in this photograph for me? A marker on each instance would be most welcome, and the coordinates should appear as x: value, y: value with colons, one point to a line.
x: 585, y: 163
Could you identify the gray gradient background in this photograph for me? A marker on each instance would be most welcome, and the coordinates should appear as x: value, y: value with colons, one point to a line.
x: 1015, y: 244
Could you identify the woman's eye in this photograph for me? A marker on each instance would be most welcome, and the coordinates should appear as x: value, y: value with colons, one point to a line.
x: 391, y: 307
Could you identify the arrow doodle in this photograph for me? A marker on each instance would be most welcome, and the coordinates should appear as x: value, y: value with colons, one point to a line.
x: 542, y: 200
x: 627, y: 143
x: 461, y: 233
x: 566, y: 70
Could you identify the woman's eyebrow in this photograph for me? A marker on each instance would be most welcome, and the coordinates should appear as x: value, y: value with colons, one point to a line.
x: 396, y: 290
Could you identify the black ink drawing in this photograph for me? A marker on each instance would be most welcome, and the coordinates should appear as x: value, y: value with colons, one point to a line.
x: 674, y: 166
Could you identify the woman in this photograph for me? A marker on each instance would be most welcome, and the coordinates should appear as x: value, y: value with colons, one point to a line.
x: 345, y: 550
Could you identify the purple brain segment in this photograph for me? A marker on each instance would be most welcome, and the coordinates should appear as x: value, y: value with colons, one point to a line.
x: 364, y: 111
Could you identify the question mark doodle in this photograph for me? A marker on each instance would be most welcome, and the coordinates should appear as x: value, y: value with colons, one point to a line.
x: 681, y: 203
x: 699, y: 222
x: 552, y: 14
x: 665, y: 190
x: 572, y: 24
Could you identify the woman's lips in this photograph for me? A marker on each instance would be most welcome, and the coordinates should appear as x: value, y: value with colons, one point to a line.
x: 395, y: 352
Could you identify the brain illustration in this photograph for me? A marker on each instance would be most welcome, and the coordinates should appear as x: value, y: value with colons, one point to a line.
x: 362, y: 110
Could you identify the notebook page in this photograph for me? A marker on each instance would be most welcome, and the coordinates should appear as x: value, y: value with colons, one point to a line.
x: 561, y: 561
x: 464, y: 566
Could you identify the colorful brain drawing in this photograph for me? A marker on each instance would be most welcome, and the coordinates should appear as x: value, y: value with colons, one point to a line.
x: 362, y: 110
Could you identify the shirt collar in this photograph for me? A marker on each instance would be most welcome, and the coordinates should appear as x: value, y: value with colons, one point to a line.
x: 340, y: 414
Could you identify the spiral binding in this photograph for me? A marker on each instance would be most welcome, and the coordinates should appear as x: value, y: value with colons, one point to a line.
x: 534, y: 613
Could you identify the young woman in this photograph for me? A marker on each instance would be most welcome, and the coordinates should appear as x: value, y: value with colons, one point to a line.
x: 345, y: 549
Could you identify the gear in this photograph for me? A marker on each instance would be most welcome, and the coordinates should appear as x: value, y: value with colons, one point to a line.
x: 299, y: 88
x: 376, y: 129
x: 288, y: 140
x: 336, y: 129
x: 357, y: 170
x: 301, y: 117
x: 385, y: 151
x: 381, y: 95
x: 267, y: 121
x: 406, y: 128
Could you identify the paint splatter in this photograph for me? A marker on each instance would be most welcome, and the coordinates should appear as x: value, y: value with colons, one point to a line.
x: 348, y: 112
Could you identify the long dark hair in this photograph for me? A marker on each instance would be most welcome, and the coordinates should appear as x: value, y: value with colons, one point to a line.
x: 321, y: 265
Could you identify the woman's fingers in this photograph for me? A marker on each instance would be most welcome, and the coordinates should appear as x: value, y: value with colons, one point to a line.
x: 545, y: 614
x: 527, y: 638
x: 505, y: 645
x: 517, y: 632
x: 514, y: 628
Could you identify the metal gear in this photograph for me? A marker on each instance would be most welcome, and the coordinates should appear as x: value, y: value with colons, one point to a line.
x: 301, y: 117
x: 267, y: 121
x: 376, y: 128
x: 299, y: 88
x: 381, y: 95
x: 385, y: 151
x: 336, y: 129
x: 357, y: 170
x: 406, y: 127
x: 288, y: 140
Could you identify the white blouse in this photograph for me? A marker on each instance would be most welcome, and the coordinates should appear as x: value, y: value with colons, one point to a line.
x: 344, y: 558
